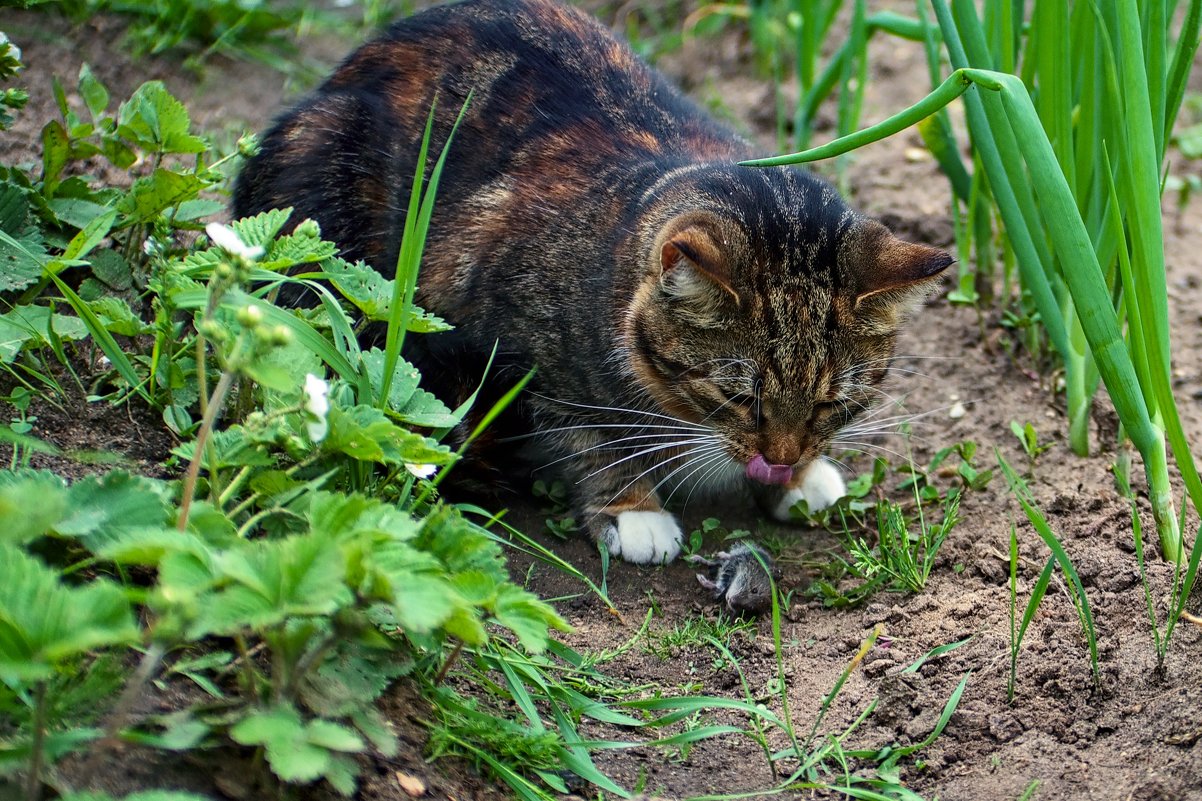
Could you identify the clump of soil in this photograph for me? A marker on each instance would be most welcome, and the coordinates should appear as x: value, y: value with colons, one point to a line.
x: 1132, y: 734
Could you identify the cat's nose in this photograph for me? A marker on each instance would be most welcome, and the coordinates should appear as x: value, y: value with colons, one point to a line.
x: 784, y: 450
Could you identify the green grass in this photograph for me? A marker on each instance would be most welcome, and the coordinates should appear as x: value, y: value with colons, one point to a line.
x: 1075, y: 590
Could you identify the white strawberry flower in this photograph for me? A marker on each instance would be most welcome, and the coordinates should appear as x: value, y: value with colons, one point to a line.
x: 422, y: 470
x: 228, y: 240
x: 317, y: 404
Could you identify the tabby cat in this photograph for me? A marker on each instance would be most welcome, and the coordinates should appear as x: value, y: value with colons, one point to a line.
x: 693, y: 322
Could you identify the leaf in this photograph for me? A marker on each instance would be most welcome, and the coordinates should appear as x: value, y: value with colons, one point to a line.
x: 404, y: 380
x: 364, y: 433
x: 333, y: 736
x: 423, y: 409
x: 377, y: 729
x: 261, y: 229
x: 349, y: 682
x: 298, y: 752
x: 460, y: 545
x: 22, y: 251
x: 526, y: 616
x: 297, y: 248
x: 342, y: 517
x: 362, y: 285
x: 30, y: 503
x: 372, y: 293
x: 425, y: 600
x: 95, y: 95
x: 156, y: 121
x: 274, y: 580
x: 32, y: 323
x: 153, y: 194
x: 55, y: 152
x: 282, y: 733
x: 228, y: 448
x: 191, y: 210
x: 90, y: 235
x: 79, y: 212
x: 104, y: 508
x: 148, y: 546
x: 43, y: 622
x: 118, y: 317
x: 423, y: 322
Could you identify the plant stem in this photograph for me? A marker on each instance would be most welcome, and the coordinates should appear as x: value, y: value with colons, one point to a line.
x: 450, y: 661
x: 248, y: 669
x: 1160, y: 493
x: 33, y: 790
x: 116, y: 718
x: 202, y: 437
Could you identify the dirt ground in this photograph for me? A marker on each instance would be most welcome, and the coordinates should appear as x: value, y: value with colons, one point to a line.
x: 1136, y: 736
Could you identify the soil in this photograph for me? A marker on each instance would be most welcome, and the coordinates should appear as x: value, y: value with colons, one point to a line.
x: 1135, y: 734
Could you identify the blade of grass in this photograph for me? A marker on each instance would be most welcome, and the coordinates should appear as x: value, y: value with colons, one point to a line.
x: 1080, y: 600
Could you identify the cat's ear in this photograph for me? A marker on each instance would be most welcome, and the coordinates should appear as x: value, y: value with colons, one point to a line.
x: 694, y: 265
x: 889, y: 274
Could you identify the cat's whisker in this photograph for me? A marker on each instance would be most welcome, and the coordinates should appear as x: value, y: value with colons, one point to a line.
x: 702, y: 464
x: 718, y: 462
x: 665, y: 439
x: 858, y: 447
x: 665, y: 479
x: 637, y: 412
x: 838, y: 464
x: 590, y: 426
x: 909, y: 417
x: 696, y: 452
x: 654, y: 449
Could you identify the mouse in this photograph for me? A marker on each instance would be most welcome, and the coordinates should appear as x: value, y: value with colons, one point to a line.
x: 742, y: 576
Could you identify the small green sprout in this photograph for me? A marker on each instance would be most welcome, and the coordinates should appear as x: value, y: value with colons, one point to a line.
x: 1029, y: 439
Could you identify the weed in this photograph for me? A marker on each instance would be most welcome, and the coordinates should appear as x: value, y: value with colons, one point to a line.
x: 1029, y: 439
x: 695, y: 632
x: 905, y: 558
x: 1076, y: 591
x: 712, y: 527
x: 1018, y: 631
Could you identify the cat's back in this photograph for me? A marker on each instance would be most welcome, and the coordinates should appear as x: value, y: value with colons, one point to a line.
x: 559, y: 113
x: 533, y: 68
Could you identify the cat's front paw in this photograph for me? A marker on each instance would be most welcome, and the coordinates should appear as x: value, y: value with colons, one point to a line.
x: 644, y: 537
x: 820, y: 487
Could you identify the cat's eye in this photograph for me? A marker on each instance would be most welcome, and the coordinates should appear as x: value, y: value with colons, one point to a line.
x: 824, y: 411
x: 743, y: 400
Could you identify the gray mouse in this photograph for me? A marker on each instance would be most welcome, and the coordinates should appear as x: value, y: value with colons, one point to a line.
x: 739, y: 577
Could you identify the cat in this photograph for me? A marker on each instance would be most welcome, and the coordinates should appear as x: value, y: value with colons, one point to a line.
x: 693, y: 322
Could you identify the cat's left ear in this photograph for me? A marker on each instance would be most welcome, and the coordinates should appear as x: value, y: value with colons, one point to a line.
x: 886, y: 271
x: 694, y: 264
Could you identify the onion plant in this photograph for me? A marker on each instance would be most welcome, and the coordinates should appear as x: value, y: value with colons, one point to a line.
x: 1071, y: 141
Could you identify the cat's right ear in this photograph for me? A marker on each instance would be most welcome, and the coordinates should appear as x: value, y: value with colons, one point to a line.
x: 693, y: 266
x: 891, y: 277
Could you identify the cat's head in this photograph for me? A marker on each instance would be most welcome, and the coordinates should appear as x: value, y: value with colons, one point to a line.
x: 769, y: 310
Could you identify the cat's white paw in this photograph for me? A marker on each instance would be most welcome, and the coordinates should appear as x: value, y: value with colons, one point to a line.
x: 644, y: 537
x: 820, y: 488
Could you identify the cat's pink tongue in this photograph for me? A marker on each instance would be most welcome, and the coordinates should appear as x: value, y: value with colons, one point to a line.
x: 759, y: 470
